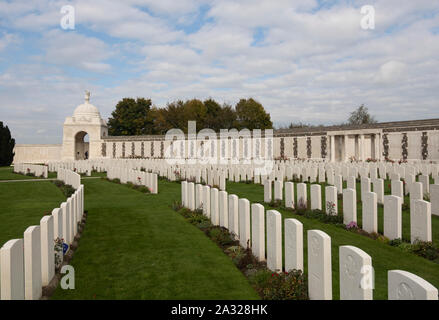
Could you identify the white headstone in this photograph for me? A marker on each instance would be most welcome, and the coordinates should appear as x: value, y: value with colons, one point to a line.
x: 397, y: 189
x: 267, y: 191
x: 47, y: 250
x: 370, y: 215
x: 365, y: 186
x: 392, y: 217
x: 214, y: 207
x: 233, y: 215
x: 12, y: 270
x: 206, y: 201
x: 289, y: 195
x: 316, y: 197
x: 339, y: 183
x: 352, y: 183
x: 191, y: 196
x: 420, y: 226
x: 302, y: 198
x: 425, y: 180
x: 356, y: 275
x: 274, y: 241
x: 184, y: 194
x: 32, y: 263
x: 65, y: 223
x: 319, y: 265
x: 331, y: 200
x: 403, y: 285
x: 258, y: 231
x: 293, y: 245
x: 378, y: 188
x: 349, y: 206
x: 244, y: 222
x: 223, y: 210
x: 278, y: 190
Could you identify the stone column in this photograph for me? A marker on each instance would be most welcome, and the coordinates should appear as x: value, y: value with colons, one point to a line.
x: 361, y: 147
x: 332, y: 145
x: 377, y: 146
x: 345, y: 147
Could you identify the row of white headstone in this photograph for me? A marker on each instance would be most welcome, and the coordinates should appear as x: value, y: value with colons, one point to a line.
x: 69, y: 177
x: 137, y: 177
x: 420, y: 210
x: 28, y: 264
x: 36, y: 169
x: 215, y: 174
x: 356, y: 279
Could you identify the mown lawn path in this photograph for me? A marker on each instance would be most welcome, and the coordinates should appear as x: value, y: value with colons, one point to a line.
x: 135, y: 246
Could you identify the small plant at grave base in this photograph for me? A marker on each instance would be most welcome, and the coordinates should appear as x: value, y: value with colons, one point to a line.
x: 426, y: 249
x: 116, y: 181
x: 301, y: 206
x: 352, y: 226
x: 235, y: 253
x: 204, y: 225
x: 58, y: 253
x: 290, y: 285
x: 176, y: 205
x: 247, y: 259
x: 144, y: 189
x: 395, y: 242
x: 330, y: 208
x: 221, y: 236
x: 275, y: 203
x: 58, y: 183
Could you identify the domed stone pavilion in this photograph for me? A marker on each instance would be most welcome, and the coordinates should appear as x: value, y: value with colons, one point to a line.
x: 86, y: 120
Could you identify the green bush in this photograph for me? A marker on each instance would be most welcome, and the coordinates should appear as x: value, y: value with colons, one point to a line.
x: 221, y: 236
x: 280, y: 286
x: 176, y: 205
x: 426, y: 250
x: 395, y: 242
x: 275, y: 203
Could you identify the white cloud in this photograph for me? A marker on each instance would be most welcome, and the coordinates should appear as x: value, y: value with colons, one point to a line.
x: 310, y: 65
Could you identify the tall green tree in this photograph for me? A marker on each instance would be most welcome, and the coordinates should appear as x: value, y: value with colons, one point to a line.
x: 131, y: 117
x: 361, y: 116
x: 251, y: 114
x: 219, y: 117
x: 7, y: 144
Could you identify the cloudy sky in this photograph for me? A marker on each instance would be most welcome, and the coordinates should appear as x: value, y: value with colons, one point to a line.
x: 304, y: 60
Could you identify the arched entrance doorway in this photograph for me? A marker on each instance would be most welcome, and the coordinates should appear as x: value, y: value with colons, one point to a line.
x: 82, y: 146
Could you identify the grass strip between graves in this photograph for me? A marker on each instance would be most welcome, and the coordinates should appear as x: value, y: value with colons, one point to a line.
x: 136, y: 247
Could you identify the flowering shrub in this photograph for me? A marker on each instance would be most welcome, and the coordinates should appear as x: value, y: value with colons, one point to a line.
x: 58, y: 253
x: 301, y: 204
x: 351, y: 225
x: 330, y: 208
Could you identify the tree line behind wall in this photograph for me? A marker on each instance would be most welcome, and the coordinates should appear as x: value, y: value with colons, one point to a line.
x: 140, y: 117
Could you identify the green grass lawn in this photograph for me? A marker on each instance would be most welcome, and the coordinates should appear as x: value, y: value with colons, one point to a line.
x: 384, y: 256
x: 135, y: 246
x: 23, y: 204
x: 6, y: 173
